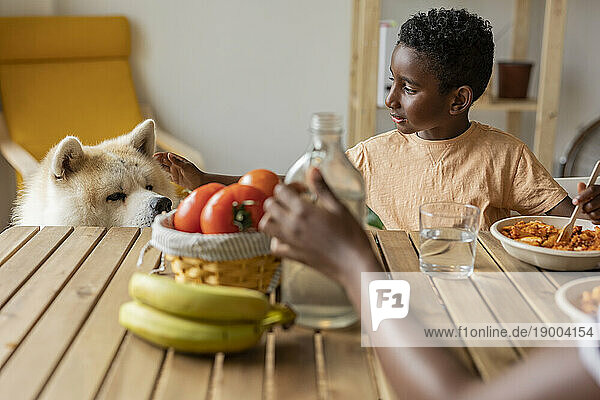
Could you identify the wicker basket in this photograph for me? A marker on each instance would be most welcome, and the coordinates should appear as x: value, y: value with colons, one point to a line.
x: 236, y: 259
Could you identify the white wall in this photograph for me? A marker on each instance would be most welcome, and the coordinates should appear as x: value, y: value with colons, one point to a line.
x: 237, y: 79
x: 26, y: 7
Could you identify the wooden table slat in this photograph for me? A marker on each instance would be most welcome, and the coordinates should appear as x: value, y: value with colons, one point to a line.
x: 134, y: 372
x: 87, y: 364
x: 21, y: 312
x: 384, y: 388
x: 24, y: 262
x: 184, y: 374
x: 52, y: 335
x: 534, y: 286
x: 320, y: 369
x: 401, y: 257
x: 465, y: 305
x: 372, y: 235
x: 247, y: 367
x: 295, y: 370
x: 12, y: 240
x: 499, y: 293
x: 269, y: 378
x: 347, y: 365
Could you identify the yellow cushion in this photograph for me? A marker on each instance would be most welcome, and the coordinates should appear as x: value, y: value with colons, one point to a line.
x: 36, y: 38
x: 66, y: 76
x: 93, y: 100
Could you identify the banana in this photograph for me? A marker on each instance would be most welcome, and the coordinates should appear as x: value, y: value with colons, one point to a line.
x: 199, y: 301
x: 194, y: 336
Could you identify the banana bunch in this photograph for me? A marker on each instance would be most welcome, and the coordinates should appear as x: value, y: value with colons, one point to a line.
x: 198, y: 318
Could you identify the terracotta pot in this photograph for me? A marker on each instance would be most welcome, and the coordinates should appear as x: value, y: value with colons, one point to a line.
x: 513, y: 79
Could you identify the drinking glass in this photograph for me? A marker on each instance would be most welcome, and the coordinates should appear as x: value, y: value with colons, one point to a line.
x: 448, y: 239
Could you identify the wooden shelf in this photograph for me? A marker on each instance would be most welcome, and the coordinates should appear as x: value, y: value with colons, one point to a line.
x: 499, y: 104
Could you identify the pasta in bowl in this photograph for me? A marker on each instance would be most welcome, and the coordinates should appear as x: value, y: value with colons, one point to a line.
x: 533, y: 239
x: 537, y: 233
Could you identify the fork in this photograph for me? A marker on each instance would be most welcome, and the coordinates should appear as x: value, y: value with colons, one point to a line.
x: 567, y: 231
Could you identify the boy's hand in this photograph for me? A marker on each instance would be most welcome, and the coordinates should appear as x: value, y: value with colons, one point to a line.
x: 183, y: 172
x: 325, y: 236
x: 589, y: 198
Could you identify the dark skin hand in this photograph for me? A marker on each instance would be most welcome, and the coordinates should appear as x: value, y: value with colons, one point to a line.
x: 329, y: 222
x: 186, y: 174
x: 590, y: 200
x: 327, y: 236
x: 588, y: 197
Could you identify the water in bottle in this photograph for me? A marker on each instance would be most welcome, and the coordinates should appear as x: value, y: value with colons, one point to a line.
x: 319, y: 301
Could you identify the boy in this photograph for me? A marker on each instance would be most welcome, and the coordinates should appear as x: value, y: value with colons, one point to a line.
x: 441, y: 64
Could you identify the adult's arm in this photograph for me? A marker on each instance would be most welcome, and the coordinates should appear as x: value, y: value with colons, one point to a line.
x: 327, y: 236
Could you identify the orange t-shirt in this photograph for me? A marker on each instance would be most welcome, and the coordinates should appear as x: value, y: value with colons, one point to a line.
x: 483, y: 166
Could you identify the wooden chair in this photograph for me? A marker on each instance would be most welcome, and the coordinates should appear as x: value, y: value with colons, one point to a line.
x: 68, y: 76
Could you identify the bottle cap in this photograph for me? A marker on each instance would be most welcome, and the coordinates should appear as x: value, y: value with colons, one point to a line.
x: 326, y: 122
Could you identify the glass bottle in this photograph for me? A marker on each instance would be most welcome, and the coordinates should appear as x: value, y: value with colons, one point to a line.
x: 319, y: 301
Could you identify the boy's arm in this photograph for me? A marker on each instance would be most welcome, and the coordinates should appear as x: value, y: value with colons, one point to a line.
x: 223, y: 179
x: 227, y: 179
x: 562, y: 209
x: 186, y: 174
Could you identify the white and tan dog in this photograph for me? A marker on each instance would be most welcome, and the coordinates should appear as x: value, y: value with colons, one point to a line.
x: 115, y: 183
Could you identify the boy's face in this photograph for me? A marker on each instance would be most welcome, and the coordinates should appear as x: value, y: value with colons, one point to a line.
x: 415, y: 101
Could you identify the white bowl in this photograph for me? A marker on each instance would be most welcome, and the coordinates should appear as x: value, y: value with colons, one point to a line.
x: 557, y: 260
x: 568, y: 297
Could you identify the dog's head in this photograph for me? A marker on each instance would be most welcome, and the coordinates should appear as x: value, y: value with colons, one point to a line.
x: 115, y: 183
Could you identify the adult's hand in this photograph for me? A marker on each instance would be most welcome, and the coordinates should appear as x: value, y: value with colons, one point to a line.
x: 324, y: 235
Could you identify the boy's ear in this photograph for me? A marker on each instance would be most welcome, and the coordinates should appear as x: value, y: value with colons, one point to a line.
x: 462, y: 100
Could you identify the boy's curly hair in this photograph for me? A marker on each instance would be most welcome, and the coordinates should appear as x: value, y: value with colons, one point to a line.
x: 458, y: 47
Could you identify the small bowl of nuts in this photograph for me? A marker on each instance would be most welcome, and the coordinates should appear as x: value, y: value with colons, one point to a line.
x: 580, y: 299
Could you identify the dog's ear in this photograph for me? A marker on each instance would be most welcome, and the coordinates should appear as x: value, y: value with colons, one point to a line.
x: 67, y: 157
x: 142, y: 137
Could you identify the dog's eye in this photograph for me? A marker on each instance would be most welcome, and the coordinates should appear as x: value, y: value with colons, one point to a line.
x: 116, y: 196
x: 149, y: 187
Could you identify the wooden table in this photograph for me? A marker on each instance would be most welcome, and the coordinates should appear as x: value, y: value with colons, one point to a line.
x: 61, y: 288
x: 60, y: 291
x: 497, y: 292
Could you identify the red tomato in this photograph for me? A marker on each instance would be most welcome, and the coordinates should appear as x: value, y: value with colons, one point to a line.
x: 262, y: 179
x: 236, y: 208
x: 187, y: 216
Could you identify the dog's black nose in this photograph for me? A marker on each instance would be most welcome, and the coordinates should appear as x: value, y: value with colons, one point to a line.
x: 160, y: 204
